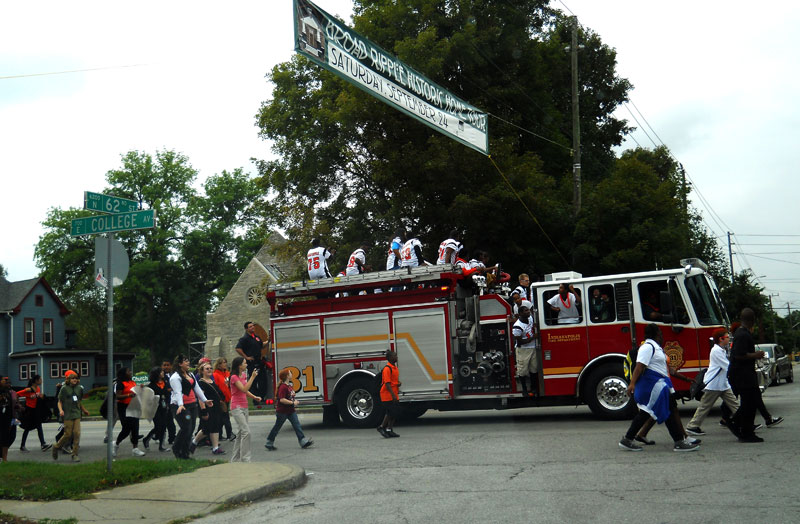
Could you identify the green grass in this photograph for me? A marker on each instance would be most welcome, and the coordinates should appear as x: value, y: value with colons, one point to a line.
x: 43, y: 481
x: 92, y: 405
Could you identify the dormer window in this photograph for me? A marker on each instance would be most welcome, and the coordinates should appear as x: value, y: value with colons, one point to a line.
x: 39, y: 300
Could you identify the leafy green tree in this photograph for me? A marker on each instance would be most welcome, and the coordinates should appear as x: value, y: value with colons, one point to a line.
x: 3, y: 272
x: 744, y: 292
x: 350, y: 168
x: 179, y: 269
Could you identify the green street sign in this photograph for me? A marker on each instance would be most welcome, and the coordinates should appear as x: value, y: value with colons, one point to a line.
x: 108, y: 203
x: 109, y: 223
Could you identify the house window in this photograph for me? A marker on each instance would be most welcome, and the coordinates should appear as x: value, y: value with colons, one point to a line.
x: 64, y: 368
x: 101, y: 368
x: 74, y: 366
x: 84, y: 368
x: 48, y: 331
x: 33, y: 369
x: 39, y: 300
x: 54, y: 370
x: 29, y: 337
x: 27, y: 370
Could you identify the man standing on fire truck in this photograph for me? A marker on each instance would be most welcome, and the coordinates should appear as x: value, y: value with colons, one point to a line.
x: 524, y: 331
x: 390, y: 389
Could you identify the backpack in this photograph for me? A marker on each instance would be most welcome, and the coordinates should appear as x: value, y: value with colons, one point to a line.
x: 630, y: 362
x: 378, y: 380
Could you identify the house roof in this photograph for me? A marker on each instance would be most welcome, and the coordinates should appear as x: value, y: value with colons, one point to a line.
x: 12, y: 294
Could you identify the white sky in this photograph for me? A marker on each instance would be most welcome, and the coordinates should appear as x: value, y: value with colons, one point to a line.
x: 716, y: 83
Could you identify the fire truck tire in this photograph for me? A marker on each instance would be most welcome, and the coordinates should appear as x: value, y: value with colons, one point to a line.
x: 359, y: 406
x: 330, y: 416
x: 605, y: 393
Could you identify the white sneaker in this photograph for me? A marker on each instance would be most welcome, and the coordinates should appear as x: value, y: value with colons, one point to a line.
x: 114, y: 451
x: 137, y: 452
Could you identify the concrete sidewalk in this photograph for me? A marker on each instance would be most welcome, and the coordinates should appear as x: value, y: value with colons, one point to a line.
x: 169, y: 498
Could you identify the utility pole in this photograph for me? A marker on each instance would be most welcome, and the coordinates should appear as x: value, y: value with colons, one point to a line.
x: 774, y: 335
x: 576, y: 123
x: 730, y: 254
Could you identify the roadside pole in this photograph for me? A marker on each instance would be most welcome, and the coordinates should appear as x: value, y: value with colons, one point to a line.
x: 110, y: 356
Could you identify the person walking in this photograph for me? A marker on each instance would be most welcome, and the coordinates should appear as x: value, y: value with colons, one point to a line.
x: 743, y: 378
x: 222, y: 380
x: 390, y: 389
x: 651, y: 387
x: 123, y: 391
x: 70, y: 407
x: 186, y: 394
x: 8, y: 416
x: 285, y: 406
x: 210, y: 417
x: 240, y: 391
x: 159, y: 387
x: 32, y: 418
x: 716, y: 383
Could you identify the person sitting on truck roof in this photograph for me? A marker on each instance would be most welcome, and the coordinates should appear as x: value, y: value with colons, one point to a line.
x: 318, y: 261
x: 412, y: 253
x: 357, y: 263
x: 448, y: 249
x: 566, y: 303
x: 394, y: 256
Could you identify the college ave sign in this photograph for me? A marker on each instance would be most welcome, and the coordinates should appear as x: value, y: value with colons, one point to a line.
x: 117, y: 222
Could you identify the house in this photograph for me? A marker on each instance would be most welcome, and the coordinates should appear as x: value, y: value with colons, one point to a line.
x: 35, y: 341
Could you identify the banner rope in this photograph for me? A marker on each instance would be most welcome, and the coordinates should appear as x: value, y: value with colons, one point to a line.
x: 508, y: 182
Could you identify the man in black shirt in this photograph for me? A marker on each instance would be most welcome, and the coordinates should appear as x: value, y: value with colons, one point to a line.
x: 253, y: 349
x: 743, y: 378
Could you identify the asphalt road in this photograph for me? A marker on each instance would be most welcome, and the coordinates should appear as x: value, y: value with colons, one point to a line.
x: 532, y: 465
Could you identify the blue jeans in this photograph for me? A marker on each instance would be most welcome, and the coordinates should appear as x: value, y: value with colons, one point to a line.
x: 280, y: 418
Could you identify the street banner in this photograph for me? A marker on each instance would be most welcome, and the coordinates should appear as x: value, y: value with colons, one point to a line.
x: 334, y: 46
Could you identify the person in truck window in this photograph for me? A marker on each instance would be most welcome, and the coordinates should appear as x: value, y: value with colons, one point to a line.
x: 650, y: 307
x: 566, y: 304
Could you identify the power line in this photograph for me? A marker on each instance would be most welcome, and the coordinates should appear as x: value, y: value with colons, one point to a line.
x: 72, y: 71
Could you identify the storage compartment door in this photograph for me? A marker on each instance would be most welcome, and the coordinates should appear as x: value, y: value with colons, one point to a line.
x: 298, y: 348
x: 421, y: 344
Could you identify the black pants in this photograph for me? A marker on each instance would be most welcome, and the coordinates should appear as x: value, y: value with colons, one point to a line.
x: 746, y: 415
x: 226, y: 424
x: 186, y: 421
x: 672, y: 425
x: 130, y: 426
x: 38, y: 431
x: 170, y: 423
x: 159, y: 424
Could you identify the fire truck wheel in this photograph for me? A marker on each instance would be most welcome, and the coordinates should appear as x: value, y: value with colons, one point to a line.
x: 605, y: 393
x: 359, y: 406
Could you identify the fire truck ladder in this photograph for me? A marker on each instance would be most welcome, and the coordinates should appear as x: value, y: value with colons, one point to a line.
x: 374, y: 279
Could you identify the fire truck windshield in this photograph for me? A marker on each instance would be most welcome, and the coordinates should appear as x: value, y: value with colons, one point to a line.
x: 705, y: 301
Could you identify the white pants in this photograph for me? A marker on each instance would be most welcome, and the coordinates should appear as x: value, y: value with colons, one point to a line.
x: 526, y: 361
x: 241, y: 447
x: 707, y: 401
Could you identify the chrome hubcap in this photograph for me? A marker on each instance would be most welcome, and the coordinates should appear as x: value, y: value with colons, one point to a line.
x: 612, y: 393
x: 359, y: 403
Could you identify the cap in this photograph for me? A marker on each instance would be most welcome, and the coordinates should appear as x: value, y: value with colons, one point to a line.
x: 70, y: 373
x: 526, y: 303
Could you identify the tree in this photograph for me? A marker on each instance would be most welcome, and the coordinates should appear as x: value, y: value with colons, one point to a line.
x: 353, y: 168
x: 3, y: 272
x: 179, y: 269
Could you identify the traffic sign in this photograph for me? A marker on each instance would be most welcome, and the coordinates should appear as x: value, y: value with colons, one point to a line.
x: 108, y: 203
x: 109, y: 223
x: 120, y: 263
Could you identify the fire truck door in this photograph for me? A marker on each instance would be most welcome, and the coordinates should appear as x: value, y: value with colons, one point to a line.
x: 563, y: 341
x: 421, y: 345
x: 298, y: 349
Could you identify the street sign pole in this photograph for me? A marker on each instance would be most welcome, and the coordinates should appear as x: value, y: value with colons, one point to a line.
x: 110, y: 356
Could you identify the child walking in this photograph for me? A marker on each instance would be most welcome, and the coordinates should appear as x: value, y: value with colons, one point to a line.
x: 285, y: 405
x: 70, y: 408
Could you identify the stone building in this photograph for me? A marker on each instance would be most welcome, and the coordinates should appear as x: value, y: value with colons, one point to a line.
x: 245, y: 301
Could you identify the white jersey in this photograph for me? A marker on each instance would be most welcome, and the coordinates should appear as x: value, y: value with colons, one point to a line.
x: 318, y: 263
x: 523, y: 292
x: 450, y: 243
x: 568, y: 310
x: 352, y: 263
x: 408, y: 253
x: 391, y: 258
x: 523, y: 330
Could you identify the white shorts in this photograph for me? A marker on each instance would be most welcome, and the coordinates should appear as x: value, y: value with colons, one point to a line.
x: 526, y: 361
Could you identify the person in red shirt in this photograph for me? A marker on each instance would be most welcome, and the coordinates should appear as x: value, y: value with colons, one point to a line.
x: 221, y: 378
x: 285, y: 405
x: 32, y: 418
x: 390, y: 389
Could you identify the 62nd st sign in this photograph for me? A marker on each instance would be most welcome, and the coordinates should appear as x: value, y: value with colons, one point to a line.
x: 117, y: 222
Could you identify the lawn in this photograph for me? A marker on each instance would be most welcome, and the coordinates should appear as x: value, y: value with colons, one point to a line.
x: 44, y: 481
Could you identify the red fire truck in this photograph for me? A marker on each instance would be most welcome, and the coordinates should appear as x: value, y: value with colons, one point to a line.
x: 452, y: 336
